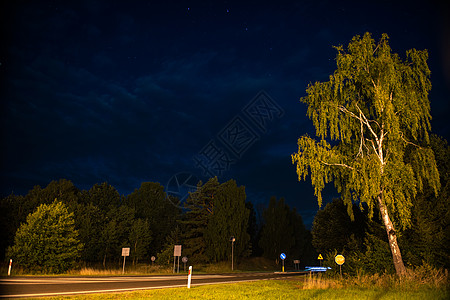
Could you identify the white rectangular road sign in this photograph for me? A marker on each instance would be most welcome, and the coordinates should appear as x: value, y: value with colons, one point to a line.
x: 125, y: 251
x: 177, y: 250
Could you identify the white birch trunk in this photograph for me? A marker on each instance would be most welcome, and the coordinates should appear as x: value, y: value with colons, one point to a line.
x: 392, y: 238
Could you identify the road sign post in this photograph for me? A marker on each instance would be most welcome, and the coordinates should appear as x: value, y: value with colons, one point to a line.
x: 283, y: 257
x: 320, y: 258
x: 297, y: 264
x: 184, y: 260
x: 176, y: 253
x: 340, y: 260
x: 153, y: 258
x: 125, y: 253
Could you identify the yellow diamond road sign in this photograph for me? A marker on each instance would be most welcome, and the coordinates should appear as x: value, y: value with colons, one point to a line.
x: 320, y: 256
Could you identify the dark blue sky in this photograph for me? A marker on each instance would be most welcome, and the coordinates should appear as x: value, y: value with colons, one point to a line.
x: 134, y: 91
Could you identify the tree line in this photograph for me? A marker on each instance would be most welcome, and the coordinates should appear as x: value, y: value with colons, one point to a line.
x: 93, y: 225
x: 59, y: 227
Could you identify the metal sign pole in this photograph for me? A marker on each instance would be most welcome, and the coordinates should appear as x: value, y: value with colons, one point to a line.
x: 340, y: 259
x: 283, y: 257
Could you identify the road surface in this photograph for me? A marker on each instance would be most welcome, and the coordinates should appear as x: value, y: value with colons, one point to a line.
x: 12, y: 287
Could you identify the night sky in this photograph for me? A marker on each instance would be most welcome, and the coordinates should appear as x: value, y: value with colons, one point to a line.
x: 131, y: 91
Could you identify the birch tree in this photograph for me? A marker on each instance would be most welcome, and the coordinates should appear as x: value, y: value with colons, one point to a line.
x: 372, y: 112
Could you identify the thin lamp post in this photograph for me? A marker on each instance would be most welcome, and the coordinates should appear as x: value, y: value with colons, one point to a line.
x: 232, y: 239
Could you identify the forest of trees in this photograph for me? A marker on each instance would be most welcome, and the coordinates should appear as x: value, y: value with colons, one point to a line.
x: 96, y: 223
x: 91, y: 226
x: 101, y: 222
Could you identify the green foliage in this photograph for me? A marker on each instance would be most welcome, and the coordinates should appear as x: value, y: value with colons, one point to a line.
x: 283, y: 231
x: 165, y: 256
x: 215, y: 212
x: 12, y: 214
x: 104, y: 222
x: 229, y: 218
x: 362, y: 241
x: 116, y: 232
x: 102, y: 218
x: 371, y: 257
x: 253, y: 230
x: 15, y: 208
x: 375, y: 113
x: 332, y: 227
x: 150, y: 203
x: 199, y: 206
x: 90, y: 224
x: 376, y: 107
x: 428, y: 240
x: 63, y: 190
x: 140, y: 238
x: 104, y: 196
x: 375, y: 258
x: 48, y: 241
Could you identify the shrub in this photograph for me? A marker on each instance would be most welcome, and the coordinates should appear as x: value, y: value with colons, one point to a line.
x: 48, y: 241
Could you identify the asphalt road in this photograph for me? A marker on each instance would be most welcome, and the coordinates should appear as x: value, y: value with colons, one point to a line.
x: 15, y: 287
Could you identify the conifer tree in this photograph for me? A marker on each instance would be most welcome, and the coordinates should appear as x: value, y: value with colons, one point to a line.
x: 199, y: 207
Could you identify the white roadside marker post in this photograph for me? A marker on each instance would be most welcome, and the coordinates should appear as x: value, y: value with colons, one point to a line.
x: 9, y: 268
x: 189, y: 277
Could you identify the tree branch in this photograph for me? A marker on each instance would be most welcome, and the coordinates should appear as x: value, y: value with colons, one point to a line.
x: 366, y: 122
x: 337, y: 165
x: 408, y: 142
x: 362, y: 138
x: 345, y: 110
x: 374, y: 148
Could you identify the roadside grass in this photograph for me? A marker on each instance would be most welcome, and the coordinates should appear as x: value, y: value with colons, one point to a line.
x: 420, y: 284
x: 252, y: 264
x: 135, y: 270
x: 273, y: 289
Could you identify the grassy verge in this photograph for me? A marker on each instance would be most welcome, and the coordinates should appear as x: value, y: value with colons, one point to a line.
x: 253, y: 264
x: 297, y: 288
x: 420, y: 284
